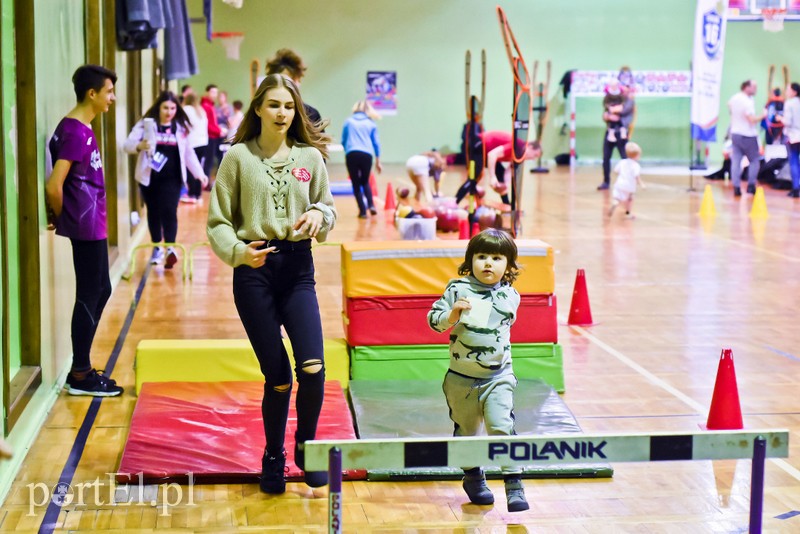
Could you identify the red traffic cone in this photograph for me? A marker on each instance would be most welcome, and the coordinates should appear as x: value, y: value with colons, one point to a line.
x: 463, y: 229
x: 476, y: 229
x: 373, y: 185
x: 580, y: 312
x: 389, y: 203
x: 725, y: 412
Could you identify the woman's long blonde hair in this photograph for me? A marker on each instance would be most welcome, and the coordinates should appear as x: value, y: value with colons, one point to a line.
x: 365, y: 107
x: 301, y: 131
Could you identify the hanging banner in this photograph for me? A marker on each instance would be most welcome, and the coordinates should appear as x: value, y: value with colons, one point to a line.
x: 382, y: 91
x: 709, y: 48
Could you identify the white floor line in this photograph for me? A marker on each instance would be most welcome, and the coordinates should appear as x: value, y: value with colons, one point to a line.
x: 782, y: 464
x: 694, y: 405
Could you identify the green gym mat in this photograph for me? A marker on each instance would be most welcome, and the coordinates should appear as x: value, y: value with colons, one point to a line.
x: 422, y: 362
x: 414, y: 408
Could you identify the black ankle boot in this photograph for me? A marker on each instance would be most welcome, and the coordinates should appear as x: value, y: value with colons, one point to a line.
x: 751, y: 189
x: 272, y: 473
x: 314, y: 479
x: 794, y: 193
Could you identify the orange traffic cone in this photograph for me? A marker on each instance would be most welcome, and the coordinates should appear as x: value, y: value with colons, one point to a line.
x: 580, y: 313
x: 463, y: 229
x: 373, y: 185
x: 725, y: 412
x: 389, y: 203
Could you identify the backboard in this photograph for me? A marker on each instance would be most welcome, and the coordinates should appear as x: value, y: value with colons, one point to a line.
x: 750, y: 10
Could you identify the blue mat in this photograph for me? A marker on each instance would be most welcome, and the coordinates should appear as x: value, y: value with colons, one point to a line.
x: 410, y: 408
x: 341, y: 188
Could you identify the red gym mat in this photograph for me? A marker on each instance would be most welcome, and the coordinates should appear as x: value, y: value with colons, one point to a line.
x: 407, y: 321
x: 213, y: 430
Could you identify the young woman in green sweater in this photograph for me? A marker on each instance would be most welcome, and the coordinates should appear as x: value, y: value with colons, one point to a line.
x: 271, y: 197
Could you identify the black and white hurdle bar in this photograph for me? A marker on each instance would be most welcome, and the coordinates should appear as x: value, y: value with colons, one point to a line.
x: 336, y: 455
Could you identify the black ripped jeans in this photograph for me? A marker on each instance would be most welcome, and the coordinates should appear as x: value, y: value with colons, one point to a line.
x: 281, y: 292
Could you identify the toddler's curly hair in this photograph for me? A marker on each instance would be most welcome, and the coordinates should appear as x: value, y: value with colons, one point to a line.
x: 492, y: 241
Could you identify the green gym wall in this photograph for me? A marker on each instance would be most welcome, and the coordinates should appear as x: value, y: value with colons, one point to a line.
x: 425, y: 41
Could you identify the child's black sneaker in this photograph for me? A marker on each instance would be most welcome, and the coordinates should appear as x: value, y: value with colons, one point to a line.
x: 515, y: 496
x: 314, y: 479
x: 751, y: 189
x: 474, y: 485
x: 94, y: 384
x: 272, y: 473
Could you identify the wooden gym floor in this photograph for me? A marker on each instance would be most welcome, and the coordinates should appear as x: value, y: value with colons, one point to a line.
x: 668, y: 290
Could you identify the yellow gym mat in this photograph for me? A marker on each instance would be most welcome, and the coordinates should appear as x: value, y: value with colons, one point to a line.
x: 220, y: 360
x: 386, y: 268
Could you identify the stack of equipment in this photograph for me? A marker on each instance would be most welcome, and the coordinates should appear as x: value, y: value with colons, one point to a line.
x: 390, y: 286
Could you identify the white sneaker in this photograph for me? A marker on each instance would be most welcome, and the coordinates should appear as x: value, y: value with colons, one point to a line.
x: 172, y: 258
x: 612, y: 138
x: 158, y: 256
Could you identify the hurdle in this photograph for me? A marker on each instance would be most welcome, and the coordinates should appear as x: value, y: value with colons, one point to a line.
x: 132, y: 265
x: 517, y: 451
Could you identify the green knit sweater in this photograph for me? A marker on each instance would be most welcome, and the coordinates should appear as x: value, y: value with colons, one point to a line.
x: 257, y: 199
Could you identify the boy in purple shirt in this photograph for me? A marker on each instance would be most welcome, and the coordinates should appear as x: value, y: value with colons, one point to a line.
x: 76, y: 199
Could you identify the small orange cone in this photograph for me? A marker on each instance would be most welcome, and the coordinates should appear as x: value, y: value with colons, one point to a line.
x: 389, y: 203
x: 373, y: 185
x: 580, y: 312
x: 463, y: 229
x: 725, y: 412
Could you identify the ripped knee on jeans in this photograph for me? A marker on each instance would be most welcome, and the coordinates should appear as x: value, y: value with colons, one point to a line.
x: 312, y: 367
x: 283, y: 388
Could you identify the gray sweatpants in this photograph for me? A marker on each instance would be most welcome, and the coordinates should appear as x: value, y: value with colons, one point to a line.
x: 476, y: 401
x: 744, y: 146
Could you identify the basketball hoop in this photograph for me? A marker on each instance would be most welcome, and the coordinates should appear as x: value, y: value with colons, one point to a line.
x: 773, y: 19
x: 231, y: 41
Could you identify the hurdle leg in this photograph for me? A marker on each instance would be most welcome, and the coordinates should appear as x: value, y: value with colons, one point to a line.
x: 335, y: 490
x: 192, y: 248
x: 757, y: 485
x: 132, y: 266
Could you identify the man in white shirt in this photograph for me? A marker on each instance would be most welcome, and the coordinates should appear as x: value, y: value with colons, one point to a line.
x: 791, y: 129
x: 744, y: 136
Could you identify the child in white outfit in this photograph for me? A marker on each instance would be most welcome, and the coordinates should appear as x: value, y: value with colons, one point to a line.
x: 628, y: 175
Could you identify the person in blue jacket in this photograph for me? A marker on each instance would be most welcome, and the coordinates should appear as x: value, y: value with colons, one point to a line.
x: 361, y: 145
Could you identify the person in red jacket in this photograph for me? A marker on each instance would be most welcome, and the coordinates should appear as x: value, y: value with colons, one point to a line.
x: 215, y: 132
x: 497, y: 146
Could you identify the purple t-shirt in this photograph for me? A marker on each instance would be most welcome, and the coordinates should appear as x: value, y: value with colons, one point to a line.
x: 83, y: 215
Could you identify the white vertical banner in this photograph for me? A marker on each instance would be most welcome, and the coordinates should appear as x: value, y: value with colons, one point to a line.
x: 709, y: 51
